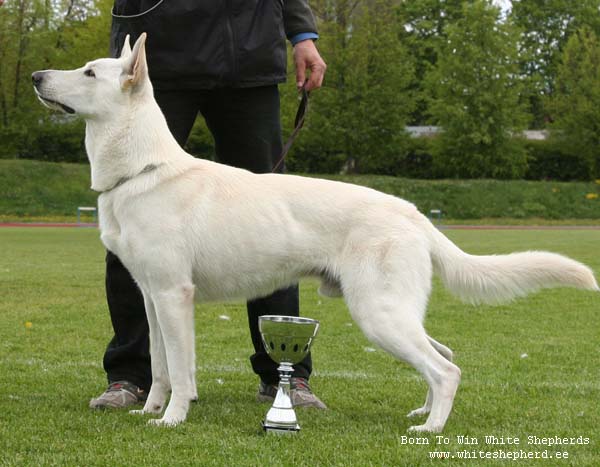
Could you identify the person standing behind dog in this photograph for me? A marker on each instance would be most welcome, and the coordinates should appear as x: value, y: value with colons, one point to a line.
x: 224, y: 60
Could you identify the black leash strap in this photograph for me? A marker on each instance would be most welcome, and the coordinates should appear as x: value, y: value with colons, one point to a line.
x: 298, y: 123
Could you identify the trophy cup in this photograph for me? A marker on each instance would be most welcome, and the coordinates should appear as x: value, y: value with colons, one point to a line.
x: 287, y: 340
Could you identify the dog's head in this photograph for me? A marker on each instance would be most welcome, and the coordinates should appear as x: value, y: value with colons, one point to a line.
x: 97, y: 88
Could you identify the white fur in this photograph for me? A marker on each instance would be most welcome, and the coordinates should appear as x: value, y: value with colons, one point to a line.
x: 196, y: 229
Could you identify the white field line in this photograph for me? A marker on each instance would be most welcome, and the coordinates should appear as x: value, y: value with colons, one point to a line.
x: 244, y: 369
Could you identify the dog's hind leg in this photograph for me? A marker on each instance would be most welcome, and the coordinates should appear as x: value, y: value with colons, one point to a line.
x: 160, y: 388
x: 388, y: 303
x: 175, y: 317
x: 386, y: 282
x: 402, y: 335
x: 447, y: 354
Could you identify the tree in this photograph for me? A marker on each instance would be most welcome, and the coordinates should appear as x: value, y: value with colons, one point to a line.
x: 423, y: 30
x: 475, y: 97
x: 39, y: 34
x: 547, y: 26
x: 358, y: 117
x: 576, y: 100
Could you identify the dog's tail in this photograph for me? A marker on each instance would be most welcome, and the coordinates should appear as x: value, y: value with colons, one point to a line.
x: 499, y: 278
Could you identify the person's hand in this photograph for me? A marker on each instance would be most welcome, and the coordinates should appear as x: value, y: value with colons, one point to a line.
x: 307, y: 58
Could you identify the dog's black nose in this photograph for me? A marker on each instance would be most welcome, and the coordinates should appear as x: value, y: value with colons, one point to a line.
x: 37, y: 77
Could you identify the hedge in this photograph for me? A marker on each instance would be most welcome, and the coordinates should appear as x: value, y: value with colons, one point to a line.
x: 63, y: 141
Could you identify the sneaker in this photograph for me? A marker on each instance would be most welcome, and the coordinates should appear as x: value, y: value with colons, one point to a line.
x: 300, y: 393
x: 119, y: 394
x: 266, y: 392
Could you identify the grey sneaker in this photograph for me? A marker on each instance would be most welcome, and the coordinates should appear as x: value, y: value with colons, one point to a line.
x: 266, y: 392
x: 300, y: 393
x: 119, y: 394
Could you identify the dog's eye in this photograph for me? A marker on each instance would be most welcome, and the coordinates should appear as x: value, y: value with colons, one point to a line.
x: 89, y: 72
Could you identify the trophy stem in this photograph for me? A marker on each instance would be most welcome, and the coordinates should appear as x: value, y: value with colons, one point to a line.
x: 281, y: 417
x: 285, y: 376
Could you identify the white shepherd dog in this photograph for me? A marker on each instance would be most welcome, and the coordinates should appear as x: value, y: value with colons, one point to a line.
x: 190, y: 229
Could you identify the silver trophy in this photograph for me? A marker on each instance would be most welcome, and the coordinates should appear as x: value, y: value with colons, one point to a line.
x: 287, y: 340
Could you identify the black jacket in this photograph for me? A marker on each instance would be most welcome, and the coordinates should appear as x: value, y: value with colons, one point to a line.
x: 202, y: 44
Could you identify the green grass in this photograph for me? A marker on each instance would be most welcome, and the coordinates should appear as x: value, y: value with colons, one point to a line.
x: 44, y: 191
x: 493, y: 199
x: 37, y: 189
x: 53, y: 278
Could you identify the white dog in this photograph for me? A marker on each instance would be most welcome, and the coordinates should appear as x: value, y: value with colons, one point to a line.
x: 188, y: 228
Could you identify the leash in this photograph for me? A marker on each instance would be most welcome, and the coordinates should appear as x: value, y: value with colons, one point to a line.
x: 298, y: 123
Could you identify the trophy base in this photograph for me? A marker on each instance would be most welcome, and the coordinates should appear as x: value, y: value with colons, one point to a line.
x: 280, y: 429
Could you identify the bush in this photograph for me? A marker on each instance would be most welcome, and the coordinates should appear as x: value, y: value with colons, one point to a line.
x: 412, y: 159
x: 11, y: 138
x: 200, y: 142
x: 310, y: 158
x: 575, y: 103
x: 469, y: 156
x: 546, y: 160
x: 552, y: 160
x: 59, y: 140
x: 418, y: 160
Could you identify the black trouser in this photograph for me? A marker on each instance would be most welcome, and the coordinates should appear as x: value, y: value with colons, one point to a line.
x: 246, y: 127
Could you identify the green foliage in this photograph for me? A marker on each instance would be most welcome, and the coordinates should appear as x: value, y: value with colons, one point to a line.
x: 552, y: 160
x: 52, y: 139
x: 35, y: 189
x: 357, y: 119
x: 576, y: 101
x: 456, y: 63
x: 547, y: 25
x: 200, y: 143
x: 475, y: 97
x: 36, y: 35
x: 415, y: 162
x: 491, y: 199
x: 23, y: 45
x: 424, y: 30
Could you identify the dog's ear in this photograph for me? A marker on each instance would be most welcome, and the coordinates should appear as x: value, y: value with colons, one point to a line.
x: 135, y: 67
x: 126, y: 50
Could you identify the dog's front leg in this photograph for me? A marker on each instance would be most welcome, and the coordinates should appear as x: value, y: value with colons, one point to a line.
x: 160, y: 374
x: 175, y: 317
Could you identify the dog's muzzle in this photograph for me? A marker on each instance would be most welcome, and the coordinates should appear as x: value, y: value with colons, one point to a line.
x: 37, y: 77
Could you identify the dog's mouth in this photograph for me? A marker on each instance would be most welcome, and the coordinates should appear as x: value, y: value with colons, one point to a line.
x: 52, y: 104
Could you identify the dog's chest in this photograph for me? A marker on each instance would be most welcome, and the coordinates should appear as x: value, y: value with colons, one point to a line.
x: 110, y: 228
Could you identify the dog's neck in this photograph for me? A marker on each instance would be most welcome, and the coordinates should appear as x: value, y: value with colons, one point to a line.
x: 134, y: 138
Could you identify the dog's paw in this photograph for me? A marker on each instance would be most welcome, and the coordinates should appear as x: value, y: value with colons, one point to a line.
x: 419, y: 412
x: 424, y: 429
x: 165, y: 421
x: 148, y: 409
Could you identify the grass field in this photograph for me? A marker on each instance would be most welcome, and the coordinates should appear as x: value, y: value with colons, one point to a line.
x: 529, y: 369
